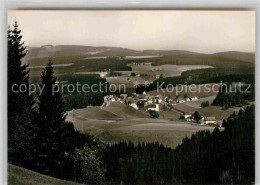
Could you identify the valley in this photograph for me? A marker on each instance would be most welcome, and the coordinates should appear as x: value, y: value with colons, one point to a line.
x: 115, y: 120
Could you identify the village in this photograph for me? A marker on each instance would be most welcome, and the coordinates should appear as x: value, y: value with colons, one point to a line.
x: 158, y: 103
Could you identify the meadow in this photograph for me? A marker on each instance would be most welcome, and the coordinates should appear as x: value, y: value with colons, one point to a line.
x: 115, y: 121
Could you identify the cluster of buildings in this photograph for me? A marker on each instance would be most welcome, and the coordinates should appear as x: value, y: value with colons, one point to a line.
x: 204, y: 120
x: 138, y: 102
x: 147, y: 102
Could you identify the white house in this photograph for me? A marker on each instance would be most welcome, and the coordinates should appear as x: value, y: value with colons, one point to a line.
x: 181, y: 101
x: 187, y: 115
x: 112, y: 99
x: 208, y: 120
x: 154, y: 107
x: 103, y: 74
x: 134, y: 105
x: 150, y: 101
x: 194, y: 98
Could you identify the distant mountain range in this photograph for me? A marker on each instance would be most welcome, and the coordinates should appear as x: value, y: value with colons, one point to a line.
x: 76, y: 50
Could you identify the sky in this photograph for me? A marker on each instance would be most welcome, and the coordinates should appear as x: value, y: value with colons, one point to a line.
x: 197, y: 31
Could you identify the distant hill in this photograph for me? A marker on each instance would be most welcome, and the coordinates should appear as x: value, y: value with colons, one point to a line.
x: 22, y: 176
x: 242, y: 56
x: 89, y: 51
x: 168, y: 52
x: 75, y: 50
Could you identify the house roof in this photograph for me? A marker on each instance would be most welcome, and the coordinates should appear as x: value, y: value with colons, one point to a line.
x: 151, y: 106
x: 210, y: 119
x: 123, y: 95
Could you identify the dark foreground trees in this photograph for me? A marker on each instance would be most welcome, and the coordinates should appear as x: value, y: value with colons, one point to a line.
x: 21, y: 105
x: 39, y: 138
x: 51, y: 116
x: 61, y: 151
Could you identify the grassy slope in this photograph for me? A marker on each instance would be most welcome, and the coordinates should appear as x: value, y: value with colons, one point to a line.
x: 22, y: 176
x: 124, y: 111
x: 93, y: 113
x: 201, y: 91
x: 133, y: 125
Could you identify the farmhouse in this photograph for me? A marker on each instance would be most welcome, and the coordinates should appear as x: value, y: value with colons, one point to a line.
x: 194, y: 98
x: 103, y: 74
x: 134, y: 105
x: 154, y: 107
x: 208, y: 120
x: 180, y: 101
x: 187, y: 115
x: 157, y: 76
x: 113, y: 99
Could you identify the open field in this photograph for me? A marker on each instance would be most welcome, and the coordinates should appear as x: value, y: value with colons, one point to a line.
x: 217, y: 112
x: 166, y: 67
x: 93, y: 113
x: 200, y: 91
x: 210, y: 111
x: 22, y: 176
x: 55, y: 65
x: 123, y: 111
x: 120, y: 81
x: 147, y: 73
x: 171, y: 115
x: 192, y: 106
x: 196, y: 104
x: 126, y: 57
x: 126, y: 123
x: 167, y: 70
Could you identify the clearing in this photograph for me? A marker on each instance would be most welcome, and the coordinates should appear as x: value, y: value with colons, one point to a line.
x: 122, y: 122
x: 200, y: 91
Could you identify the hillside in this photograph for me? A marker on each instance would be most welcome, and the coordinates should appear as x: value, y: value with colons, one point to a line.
x: 168, y: 52
x: 243, y: 56
x: 75, y: 50
x: 92, y: 113
x: 22, y: 176
x: 89, y: 51
x: 123, y: 111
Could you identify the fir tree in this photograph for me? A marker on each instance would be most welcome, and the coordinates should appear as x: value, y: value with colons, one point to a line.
x: 21, y: 128
x: 51, y: 115
x: 197, y: 116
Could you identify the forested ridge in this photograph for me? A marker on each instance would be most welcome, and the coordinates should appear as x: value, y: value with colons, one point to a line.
x: 235, y: 97
x: 201, y: 76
